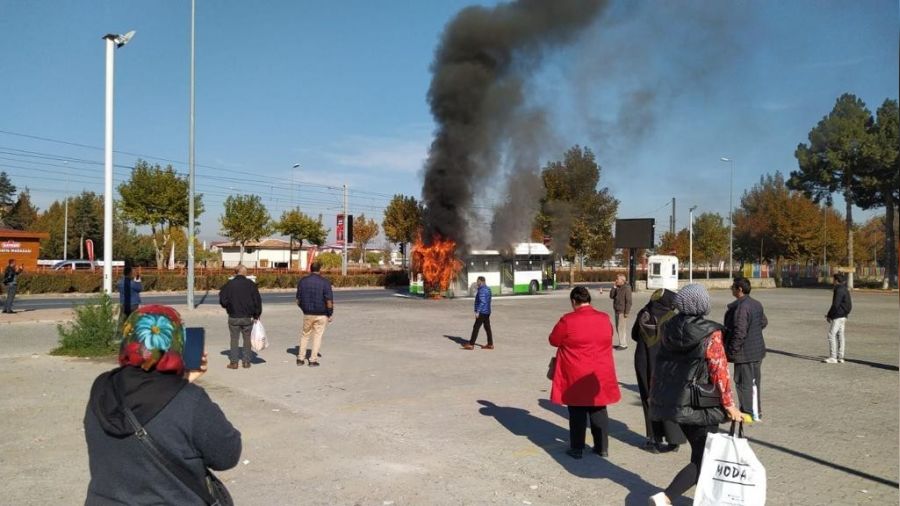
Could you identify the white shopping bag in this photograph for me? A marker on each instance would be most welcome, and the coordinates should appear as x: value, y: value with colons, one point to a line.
x: 731, y: 474
x: 258, y: 340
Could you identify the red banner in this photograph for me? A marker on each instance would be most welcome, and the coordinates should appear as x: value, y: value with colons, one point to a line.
x: 89, y: 244
x: 339, y: 232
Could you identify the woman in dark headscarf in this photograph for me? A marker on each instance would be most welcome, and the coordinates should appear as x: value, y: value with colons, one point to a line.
x: 644, y: 332
x: 690, y: 353
x: 177, y: 414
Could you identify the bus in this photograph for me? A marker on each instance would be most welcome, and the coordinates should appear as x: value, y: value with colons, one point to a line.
x: 529, y: 270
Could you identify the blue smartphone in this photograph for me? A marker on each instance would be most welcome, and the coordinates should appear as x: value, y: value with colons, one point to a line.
x: 194, y: 344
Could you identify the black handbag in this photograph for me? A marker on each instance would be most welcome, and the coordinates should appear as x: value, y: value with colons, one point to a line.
x: 211, y: 490
x: 705, y: 395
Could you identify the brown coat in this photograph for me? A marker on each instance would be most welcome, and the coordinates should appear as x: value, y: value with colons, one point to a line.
x: 621, y: 296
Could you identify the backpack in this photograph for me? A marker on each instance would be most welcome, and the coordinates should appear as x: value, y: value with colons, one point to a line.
x: 648, y: 325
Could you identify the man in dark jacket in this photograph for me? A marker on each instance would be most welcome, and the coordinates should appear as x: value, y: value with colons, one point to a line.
x: 482, y: 316
x: 316, y: 300
x: 837, y: 318
x: 745, y: 346
x: 621, y: 296
x: 240, y: 297
x: 10, y: 281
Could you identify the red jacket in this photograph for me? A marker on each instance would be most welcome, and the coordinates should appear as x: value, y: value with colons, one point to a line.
x: 585, y: 371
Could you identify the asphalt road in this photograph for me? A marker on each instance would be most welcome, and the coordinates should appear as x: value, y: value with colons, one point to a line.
x: 32, y: 303
x: 26, y: 303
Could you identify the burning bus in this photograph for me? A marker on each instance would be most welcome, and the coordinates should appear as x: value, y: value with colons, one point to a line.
x: 528, y: 268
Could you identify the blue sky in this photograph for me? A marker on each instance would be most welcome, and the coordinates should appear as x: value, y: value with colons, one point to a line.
x: 339, y: 87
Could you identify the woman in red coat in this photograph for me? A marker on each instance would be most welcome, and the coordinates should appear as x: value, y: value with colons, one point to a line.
x: 585, y: 375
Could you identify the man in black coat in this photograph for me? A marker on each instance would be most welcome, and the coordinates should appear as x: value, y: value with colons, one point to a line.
x: 240, y: 297
x: 745, y: 346
x: 837, y: 318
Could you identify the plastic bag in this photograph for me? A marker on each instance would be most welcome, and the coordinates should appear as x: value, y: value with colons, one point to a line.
x: 258, y: 339
x: 731, y: 474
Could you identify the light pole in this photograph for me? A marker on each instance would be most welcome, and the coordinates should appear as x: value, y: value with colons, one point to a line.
x: 730, y: 219
x: 691, y: 245
x: 291, y: 239
x: 113, y: 41
x: 66, y: 216
x: 191, y: 210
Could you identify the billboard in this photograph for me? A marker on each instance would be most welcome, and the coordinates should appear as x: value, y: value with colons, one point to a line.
x: 635, y: 233
x: 344, y: 227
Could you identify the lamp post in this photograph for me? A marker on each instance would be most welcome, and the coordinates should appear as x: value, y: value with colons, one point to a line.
x: 291, y: 239
x: 691, y: 245
x: 191, y: 210
x: 66, y: 216
x: 730, y: 219
x: 113, y: 41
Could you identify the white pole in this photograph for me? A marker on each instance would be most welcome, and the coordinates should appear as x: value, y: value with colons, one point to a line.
x: 691, y: 246
x: 108, y: 168
x: 191, y: 211
x: 66, y: 226
x: 731, y: 224
x: 346, y: 237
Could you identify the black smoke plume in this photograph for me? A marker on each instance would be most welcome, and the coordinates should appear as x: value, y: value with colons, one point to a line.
x: 476, y: 97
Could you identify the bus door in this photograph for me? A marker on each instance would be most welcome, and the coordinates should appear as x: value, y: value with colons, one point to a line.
x: 507, y: 276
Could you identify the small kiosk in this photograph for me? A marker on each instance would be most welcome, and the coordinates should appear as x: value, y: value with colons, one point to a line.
x: 662, y: 272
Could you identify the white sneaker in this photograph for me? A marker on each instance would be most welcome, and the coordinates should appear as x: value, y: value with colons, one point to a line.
x: 830, y: 360
x: 659, y: 499
x: 840, y: 361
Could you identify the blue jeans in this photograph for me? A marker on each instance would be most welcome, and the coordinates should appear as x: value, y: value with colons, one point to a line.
x: 10, y: 295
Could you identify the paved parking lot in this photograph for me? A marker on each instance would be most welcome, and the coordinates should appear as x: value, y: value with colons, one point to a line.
x: 399, y: 415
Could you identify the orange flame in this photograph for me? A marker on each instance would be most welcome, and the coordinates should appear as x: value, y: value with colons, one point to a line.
x: 438, y: 263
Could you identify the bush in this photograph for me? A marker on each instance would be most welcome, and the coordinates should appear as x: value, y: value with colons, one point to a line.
x: 328, y: 260
x: 93, y: 331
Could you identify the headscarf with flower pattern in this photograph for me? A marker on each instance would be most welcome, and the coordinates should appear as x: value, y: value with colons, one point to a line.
x: 153, y: 338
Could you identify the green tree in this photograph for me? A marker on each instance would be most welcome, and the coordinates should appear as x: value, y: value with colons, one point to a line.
x: 880, y: 180
x: 677, y: 244
x: 364, y: 230
x: 402, y: 221
x: 710, y: 238
x: 329, y: 260
x: 22, y: 215
x: 299, y: 226
x: 86, y: 213
x: 7, y: 195
x: 774, y: 222
x: 834, y: 159
x: 157, y: 198
x: 51, y: 221
x: 575, y: 213
x: 245, y: 219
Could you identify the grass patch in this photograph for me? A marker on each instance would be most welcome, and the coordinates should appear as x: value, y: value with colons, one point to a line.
x: 93, y: 331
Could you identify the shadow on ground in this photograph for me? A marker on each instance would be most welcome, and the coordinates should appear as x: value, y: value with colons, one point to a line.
x: 553, y: 439
x: 876, y: 365
x: 254, y: 357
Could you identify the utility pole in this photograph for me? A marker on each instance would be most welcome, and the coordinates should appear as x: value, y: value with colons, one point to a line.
x: 691, y: 245
x: 66, y: 217
x: 346, y: 230
x: 672, y: 219
x: 191, y: 210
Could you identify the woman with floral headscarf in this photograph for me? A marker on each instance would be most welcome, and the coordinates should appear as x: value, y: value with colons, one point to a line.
x: 178, y: 415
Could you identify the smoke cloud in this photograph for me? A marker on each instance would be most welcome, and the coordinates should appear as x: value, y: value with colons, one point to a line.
x: 477, y: 99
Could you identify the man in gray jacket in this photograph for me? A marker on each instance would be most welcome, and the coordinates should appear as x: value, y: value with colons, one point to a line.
x: 621, y: 296
x: 745, y: 346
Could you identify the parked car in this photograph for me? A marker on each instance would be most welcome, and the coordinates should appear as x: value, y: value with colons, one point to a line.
x: 75, y: 265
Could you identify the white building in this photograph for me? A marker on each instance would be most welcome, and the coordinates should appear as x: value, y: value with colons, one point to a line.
x: 265, y: 254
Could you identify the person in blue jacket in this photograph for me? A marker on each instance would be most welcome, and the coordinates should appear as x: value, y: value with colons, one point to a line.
x: 482, y: 316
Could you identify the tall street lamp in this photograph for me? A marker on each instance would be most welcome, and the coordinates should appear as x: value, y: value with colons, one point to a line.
x: 294, y: 198
x: 191, y: 210
x: 691, y: 245
x: 113, y: 41
x: 730, y: 219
